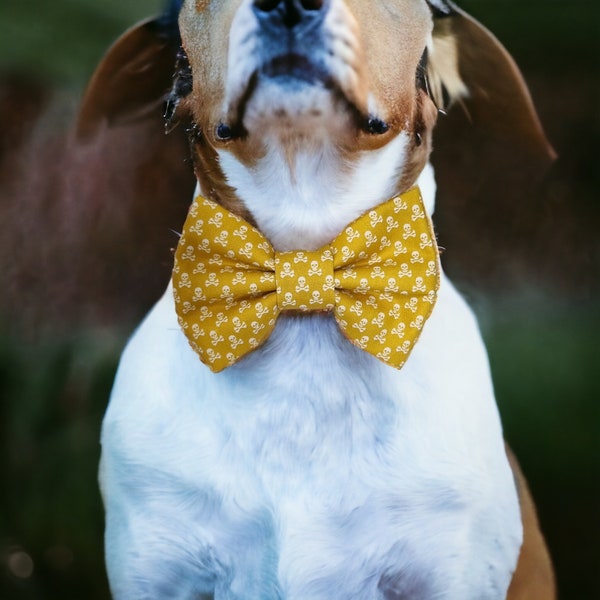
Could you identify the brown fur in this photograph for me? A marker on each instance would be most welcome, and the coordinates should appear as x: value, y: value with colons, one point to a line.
x: 533, y: 578
x: 211, y: 178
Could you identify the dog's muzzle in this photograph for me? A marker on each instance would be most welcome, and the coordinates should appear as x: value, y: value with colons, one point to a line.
x: 290, y: 13
x: 294, y: 46
x: 289, y: 29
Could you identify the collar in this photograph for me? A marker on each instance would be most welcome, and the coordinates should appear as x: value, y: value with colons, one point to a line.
x: 379, y: 278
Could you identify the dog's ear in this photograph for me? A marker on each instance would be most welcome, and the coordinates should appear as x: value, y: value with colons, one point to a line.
x: 130, y: 172
x: 468, y: 66
x: 490, y: 153
x: 132, y: 80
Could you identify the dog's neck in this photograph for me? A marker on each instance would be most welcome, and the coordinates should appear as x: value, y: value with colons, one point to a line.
x: 302, y: 200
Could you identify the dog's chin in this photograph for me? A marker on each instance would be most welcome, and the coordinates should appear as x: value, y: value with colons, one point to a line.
x: 287, y: 106
x: 293, y: 95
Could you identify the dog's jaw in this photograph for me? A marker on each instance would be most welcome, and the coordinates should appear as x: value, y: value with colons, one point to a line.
x: 307, y: 205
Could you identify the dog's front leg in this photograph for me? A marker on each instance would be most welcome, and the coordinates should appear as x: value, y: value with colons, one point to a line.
x: 163, y: 556
x: 182, y: 521
x: 147, y: 556
x: 165, y: 540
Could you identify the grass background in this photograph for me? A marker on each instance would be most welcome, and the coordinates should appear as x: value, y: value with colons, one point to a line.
x: 543, y: 339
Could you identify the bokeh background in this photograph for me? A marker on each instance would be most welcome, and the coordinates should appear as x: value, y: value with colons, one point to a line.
x: 530, y: 270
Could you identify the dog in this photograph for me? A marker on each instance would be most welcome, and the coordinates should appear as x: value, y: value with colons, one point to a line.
x: 310, y: 465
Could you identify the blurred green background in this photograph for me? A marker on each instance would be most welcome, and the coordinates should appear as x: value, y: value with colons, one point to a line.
x: 542, y: 332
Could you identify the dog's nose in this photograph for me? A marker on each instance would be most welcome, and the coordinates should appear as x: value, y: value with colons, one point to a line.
x: 291, y: 12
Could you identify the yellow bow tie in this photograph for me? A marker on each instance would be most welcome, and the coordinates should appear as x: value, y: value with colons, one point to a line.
x: 379, y: 277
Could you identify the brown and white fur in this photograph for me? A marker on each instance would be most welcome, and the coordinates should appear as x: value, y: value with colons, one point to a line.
x: 310, y: 470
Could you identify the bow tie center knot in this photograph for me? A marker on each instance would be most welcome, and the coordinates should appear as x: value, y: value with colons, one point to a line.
x: 305, y: 280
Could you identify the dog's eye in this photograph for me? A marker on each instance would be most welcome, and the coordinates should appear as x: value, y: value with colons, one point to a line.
x: 223, y: 132
x: 377, y: 126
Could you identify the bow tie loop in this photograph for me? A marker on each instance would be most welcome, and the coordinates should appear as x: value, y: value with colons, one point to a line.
x: 305, y: 280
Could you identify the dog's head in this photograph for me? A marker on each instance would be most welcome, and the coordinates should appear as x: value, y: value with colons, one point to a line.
x: 344, y: 77
x: 348, y: 70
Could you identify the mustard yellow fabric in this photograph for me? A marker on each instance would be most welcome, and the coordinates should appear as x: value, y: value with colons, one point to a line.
x: 379, y: 278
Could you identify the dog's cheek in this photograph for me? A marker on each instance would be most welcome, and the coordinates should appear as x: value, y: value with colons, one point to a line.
x: 204, y: 30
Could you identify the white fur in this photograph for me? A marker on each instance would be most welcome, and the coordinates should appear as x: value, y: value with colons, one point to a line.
x: 307, y: 207
x: 309, y: 470
x: 320, y: 463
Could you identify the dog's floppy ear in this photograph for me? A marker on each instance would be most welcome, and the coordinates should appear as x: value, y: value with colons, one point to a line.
x: 470, y: 67
x: 490, y: 152
x: 133, y: 182
x: 132, y: 79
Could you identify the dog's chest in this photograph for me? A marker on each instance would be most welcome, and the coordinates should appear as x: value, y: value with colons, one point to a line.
x: 311, y: 473
x: 331, y: 491
x: 350, y: 492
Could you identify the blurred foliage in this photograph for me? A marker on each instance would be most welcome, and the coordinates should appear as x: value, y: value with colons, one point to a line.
x: 50, y: 508
x: 544, y: 364
x: 543, y: 35
x: 543, y: 347
x: 64, y: 39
